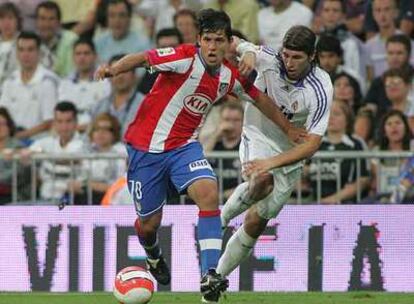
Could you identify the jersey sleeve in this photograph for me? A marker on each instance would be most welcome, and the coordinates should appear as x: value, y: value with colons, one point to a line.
x: 170, y: 59
x: 245, y: 89
x: 265, y: 56
x: 319, y: 103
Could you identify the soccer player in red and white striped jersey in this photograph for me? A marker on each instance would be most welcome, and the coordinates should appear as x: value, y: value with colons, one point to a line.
x: 162, y: 140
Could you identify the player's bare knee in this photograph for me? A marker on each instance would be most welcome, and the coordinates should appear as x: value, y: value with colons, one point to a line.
x: 205, y: 194
x: 260, y: 186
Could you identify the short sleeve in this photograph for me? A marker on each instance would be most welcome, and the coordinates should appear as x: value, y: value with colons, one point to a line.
x: 170, y: 59
x: 320, y: 100
x: 243, y: 86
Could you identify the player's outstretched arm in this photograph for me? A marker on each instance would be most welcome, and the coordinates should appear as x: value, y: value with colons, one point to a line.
x: 266, y: 105
x: 297, y: 153
x: 126, y: 63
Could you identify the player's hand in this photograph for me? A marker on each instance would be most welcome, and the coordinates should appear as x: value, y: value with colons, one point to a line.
x: 103, y: 71
x: 257, y: 167
x: 297, y: 135
x: 247, y: 63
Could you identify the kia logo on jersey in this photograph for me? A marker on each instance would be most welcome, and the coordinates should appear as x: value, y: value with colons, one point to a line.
x: 197, y: 103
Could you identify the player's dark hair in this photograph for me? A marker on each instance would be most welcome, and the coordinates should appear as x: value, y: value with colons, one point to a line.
x: 9, y: 120
x: 10, y: 8
x: 67, y: 106
x: 300, y: 38
x: 86, y: 41
x: 49, y: 5
x: 329, y: 43
x: 169, y: 32
x: 239, y: 34
x: 211, y: 21
x: 30, y: 36
x: 402, y: 39
x: 125, y: 2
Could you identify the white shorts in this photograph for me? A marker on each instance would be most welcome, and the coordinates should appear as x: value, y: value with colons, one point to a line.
x: 256, y: 146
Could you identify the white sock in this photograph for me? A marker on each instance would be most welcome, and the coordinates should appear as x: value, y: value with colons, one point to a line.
x: 237, y: 203
x: 239, y: 247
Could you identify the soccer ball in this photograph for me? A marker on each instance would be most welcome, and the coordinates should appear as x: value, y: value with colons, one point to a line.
x: 133, y: 285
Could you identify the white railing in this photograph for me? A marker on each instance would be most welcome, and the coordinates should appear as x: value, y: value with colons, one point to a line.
x: 73, y: 159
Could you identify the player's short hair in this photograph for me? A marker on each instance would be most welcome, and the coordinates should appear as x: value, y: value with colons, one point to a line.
x: 300, y: 38
x: 402, y: 39
x: 86, y: 41
x: 125, y: 2
x: 169, y: 32
x: 67, y: 106
x: 30, y: 36
x: 232, y: 105
x: 9, y: 120
x: 49, y: 5
x: 211, y: 21
x: 115, y: 125
x: 329, y: 43
x: 10, y: 8
x: 239, y: 34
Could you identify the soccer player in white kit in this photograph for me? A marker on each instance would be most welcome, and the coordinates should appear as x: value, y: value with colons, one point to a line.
x: 272, y: 164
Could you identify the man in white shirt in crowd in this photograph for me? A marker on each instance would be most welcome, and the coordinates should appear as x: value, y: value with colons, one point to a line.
x: 30, y: 93
x: 79, y: 87
x: 55, y: 175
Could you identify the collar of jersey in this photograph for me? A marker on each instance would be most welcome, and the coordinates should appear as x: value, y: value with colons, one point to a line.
x: 215, y: 72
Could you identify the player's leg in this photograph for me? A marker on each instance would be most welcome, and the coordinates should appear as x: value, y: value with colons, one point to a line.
x: 191, y: 172
x: 147, y: 185
x: 245, y: 195
x: 242, y: 242
x: 252, y: 146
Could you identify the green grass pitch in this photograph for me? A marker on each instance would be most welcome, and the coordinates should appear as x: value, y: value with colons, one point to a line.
x: 230, y: 298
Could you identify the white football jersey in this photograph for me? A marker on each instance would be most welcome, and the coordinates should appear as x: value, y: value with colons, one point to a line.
x: 306, y: 102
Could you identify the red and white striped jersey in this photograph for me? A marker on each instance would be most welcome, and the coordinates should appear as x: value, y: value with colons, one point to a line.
x: 171, y: 115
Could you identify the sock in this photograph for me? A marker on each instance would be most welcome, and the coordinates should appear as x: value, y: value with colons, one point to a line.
x: 209, y: 239
x: 239, y: 247
x: 237, y: 203
x: 150, y: 244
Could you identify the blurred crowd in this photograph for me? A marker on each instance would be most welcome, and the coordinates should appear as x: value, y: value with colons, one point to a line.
x: 50, y: 103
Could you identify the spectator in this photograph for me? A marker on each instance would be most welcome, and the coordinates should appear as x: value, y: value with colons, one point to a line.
x: 385, y: 13
x: 168, y: 37
x: 30, y: 87
x: 338, y: 139
x: 394, y: 135
x: 120, y: 38
x: 346, y: 88
x: 243, y: 15
x: 275, y: 20
x: 227, y: 138
x: 333, y: 23
x: 185, y: 21
x: 104, y: 137
x: 124, y: 99
x: 397, y: 86
x: 57, y: 42
x: 10, y: 26
x: 80, y: 87
x: 329, y: 56
x: 364, y: 127
x: 8, y: 146
x: 398, y: 53
x: 55, y: 175
x: 26, y: 8
x: 404, y: 192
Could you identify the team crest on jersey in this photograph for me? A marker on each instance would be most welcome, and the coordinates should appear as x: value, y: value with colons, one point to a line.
x: 197, y: 104
x: 223, y: 88
x: 295, y: 106
x: 165, y: 51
